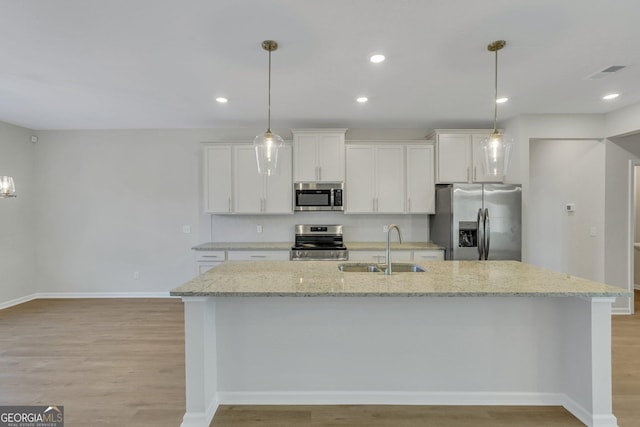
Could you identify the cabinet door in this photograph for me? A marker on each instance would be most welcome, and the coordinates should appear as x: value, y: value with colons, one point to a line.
x: 376, y: 257
x: 454, y: 158
x: 360, y: 179
x: 217, y: 179
x: 331, y: 158
x: 428, y: 255
x: 278, y: 196
x: 258, y: 255
x: 478, y: 161
x: 420, y: 179
x: 306, y: 158
x: 389, y: 173
x: 249, y: 184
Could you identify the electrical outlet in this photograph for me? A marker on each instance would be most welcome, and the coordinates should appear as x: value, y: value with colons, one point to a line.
x: 593, y: 232
x: 259, y: 228
x: 186, y: 229
x: 385, y: 228
x: 571, y: 207
x: 136, y: 275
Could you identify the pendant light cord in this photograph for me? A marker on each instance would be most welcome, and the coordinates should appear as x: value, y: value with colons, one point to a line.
x: 269, y: 97
x: 495, y: 97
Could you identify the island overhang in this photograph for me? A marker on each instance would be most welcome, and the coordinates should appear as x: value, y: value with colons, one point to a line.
x: 442, y: 278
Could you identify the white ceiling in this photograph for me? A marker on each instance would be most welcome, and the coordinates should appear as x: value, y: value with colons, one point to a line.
x: 121, y: 64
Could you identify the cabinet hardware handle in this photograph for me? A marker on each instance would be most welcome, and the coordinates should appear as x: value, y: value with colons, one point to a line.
x: 468, y: 177
x: 209, y: 256
x: 319, y: 173
x: 229, y: 210
x: 258, y: 256
x: 475, y: 173
x: 409, y: 202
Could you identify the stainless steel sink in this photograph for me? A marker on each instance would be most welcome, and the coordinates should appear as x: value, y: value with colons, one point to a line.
x: 403, y: 268
x: 373, y: 268
x: 358, y: 268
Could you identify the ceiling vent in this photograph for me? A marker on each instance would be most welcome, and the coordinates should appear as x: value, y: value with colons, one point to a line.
x: 606, y: 72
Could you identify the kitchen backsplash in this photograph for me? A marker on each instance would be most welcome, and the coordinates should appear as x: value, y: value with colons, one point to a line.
x: 279, y: 228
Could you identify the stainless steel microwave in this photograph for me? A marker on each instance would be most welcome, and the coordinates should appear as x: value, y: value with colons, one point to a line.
x: 318, y: 196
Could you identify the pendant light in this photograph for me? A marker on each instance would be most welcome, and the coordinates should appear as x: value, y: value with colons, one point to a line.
x: 7, y: 187
x: 497, y: 146
x: 268, y: 144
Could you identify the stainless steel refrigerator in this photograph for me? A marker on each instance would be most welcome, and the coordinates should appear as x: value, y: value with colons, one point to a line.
x: 478, y: 221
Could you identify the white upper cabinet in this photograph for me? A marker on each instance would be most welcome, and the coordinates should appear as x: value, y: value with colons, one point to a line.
x: 421, y: 197
x: 459, y: 156
x: 375, y: 179
x: 318, y: 155
x: 233, y: 186
x: 217, y: 179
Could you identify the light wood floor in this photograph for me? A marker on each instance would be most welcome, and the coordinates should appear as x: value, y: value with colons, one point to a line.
x: 121, y: 363
x: 109, y: 362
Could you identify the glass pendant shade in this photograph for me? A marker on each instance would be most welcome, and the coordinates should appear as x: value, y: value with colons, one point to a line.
x: 267, y: 147
x: 497, y: 146
x: 7, y: 187
x: 497, y: 152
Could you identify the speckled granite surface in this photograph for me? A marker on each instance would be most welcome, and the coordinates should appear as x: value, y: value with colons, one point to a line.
x: 243, y: 246
x: 442, y: 278
x: 279, y: 246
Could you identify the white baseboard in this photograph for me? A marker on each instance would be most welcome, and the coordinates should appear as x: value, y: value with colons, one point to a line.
x: 51, y: 295
x: 45, y: 295
x: 389, y: 398
x: 595, y: 420
x: 200, y: 419
x: 17, y: 301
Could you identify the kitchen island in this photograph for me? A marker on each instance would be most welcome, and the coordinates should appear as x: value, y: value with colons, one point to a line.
x: 461, y: 333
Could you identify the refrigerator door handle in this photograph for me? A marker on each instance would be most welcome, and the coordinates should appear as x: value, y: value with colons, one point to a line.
x: 487, y: 233
x: 480, y: 229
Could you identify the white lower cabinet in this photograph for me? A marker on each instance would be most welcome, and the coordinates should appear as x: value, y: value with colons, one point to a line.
x: 379, y: 257
x: 206, y: 260
x: 258, y: 255
x: 428, y: 255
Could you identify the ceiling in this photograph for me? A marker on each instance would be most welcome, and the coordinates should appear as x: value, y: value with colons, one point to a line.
x: 125, y: 64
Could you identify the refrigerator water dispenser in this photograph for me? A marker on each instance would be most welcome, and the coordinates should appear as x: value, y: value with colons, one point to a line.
x: 468, y: 234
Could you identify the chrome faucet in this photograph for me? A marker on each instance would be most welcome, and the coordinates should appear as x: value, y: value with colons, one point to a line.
x: 392, y: 226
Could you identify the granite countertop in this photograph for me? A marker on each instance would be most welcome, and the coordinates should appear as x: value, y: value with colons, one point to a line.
x: 279, y: 246
x: 243, y: 246
x: 442, y: 278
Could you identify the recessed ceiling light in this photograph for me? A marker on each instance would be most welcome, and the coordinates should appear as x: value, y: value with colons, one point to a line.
x: 611, y: 96
x: 501, y: 100
x: 377, y: 58
x: 222, y: 100
x: 362, y: 99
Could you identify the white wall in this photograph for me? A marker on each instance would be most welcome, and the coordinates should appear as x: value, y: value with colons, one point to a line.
x: 112, y: 203
x: 127, y: 195
x: 17, y: 237
x: 561, y: 172
x: 618, y: 239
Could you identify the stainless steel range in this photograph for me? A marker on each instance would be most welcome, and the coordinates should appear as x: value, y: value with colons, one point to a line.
x: 319, y: 242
